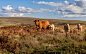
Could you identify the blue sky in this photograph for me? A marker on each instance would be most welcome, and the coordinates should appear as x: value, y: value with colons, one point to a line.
x: 50, y: 9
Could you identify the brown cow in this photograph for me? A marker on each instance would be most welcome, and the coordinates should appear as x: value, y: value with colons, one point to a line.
x: 41, y: 24
x: 67, y: 29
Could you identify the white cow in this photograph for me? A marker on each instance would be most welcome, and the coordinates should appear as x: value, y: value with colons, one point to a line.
x: 79, y: 27
x: 51, y: 27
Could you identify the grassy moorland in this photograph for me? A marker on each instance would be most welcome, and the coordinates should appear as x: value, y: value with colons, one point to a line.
x: 18, y: 35
x: 29, y: 20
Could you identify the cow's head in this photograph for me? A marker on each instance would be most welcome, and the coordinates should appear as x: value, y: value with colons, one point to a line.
x: 49, y: 27
x: 36, y: 22
x: 78, y: 24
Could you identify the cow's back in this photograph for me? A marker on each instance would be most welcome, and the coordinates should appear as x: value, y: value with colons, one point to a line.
x: 45, y: 24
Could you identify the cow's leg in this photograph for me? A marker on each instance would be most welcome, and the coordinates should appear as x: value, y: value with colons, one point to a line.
x: 80, y: 29
x: 67, y: 35
x: 37, y: 28
x: 44, y: 28
x: 53, y: 32
x: 40, y: 28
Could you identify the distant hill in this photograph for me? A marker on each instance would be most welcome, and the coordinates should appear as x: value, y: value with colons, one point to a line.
x: 29, y: 20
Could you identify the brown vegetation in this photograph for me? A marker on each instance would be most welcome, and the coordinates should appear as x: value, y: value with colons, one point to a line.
x: 25, y: 39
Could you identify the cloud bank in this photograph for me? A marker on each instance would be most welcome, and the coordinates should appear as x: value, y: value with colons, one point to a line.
x: 67, y: 9
x: 8, y: 11
x: 48, y: 3
x: 74, y: 9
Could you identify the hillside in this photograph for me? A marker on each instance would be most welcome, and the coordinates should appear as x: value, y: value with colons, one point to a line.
x: 25, y: 39
x: 29, y: 20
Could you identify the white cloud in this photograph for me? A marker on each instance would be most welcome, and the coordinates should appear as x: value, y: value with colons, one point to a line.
x: 71, y: 9
x: 30, y: 10
x: 81, y: 3
x: 74, y: 15
x: 66, y: 2
x: 64, y: 13
x: 49, y: 3
x: 79, y: 0
x: 65, y: 8
x: 8, y: 11
x: 21, y: 8
x: 71, y: 15
x: 75, y: 9
x: 7, y: 7
x: 11, y: 14
x: 41, y: 10
x: 58, y: 12
x: 68, y: 9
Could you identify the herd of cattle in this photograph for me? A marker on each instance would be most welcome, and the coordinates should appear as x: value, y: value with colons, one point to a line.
x: 30, y: 30
x: 45, y: 25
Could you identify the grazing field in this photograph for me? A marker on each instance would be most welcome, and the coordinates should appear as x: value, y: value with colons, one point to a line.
x: 18, y: 35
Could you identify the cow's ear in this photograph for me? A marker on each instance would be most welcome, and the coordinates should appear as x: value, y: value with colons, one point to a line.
x: 35, y: 21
